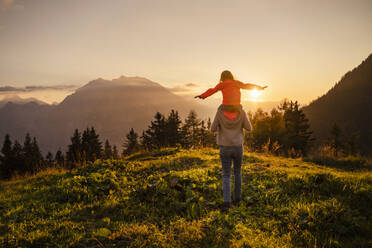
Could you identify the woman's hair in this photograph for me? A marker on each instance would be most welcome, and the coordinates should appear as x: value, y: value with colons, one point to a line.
x: 226, y: 75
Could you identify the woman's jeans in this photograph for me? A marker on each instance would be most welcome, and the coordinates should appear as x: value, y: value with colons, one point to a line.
x: 230, y: 154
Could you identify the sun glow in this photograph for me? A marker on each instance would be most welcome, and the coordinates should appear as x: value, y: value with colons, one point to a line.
x: 254, y: 95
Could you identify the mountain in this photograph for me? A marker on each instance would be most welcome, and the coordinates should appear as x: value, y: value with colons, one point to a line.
x: 111, y: 106
x: 348, y: 104
x: 19, y: 100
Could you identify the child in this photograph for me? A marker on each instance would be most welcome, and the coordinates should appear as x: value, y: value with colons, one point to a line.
x: 231, y: 93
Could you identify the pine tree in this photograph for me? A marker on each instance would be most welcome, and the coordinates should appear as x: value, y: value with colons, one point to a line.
x: 146, y: 141
x: 85, y: 145
x: 91, y: 147
x: 297, y: 126
x: 190, y: 130
x: 260, y: 130
x: 203, y: 134
x: 336, y: 139
x: 18, y: 162
x: 38, y: 160
x: 209, y: 123
x: 131, y: 144
x: 74, y: 152
x: 108, y: 150
x: 115, y: 153
x: 59, y: 158
x: 351, y: 144
x: 28, y: 157
x: 6, y: 159
x: 211, y: 138
x: 156, y: 132
x: 95, y: 145
x: 172, y: 133
x: 49, y: 159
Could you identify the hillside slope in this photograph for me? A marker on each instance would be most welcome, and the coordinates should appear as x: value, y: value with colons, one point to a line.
x: 349, y: 104
x: 170, y: 198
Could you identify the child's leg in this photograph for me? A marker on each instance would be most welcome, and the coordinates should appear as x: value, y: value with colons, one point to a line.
x: 230, y: 108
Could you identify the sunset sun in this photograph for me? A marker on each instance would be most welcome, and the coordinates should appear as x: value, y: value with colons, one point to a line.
x: 254, y: 95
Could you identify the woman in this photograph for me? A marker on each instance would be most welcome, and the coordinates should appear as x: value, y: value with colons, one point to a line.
x: 230, y: 138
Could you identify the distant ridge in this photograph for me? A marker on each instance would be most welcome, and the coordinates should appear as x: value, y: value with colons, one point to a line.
x: 111, y: 106
x: 348, y: 104
x: 18, y: 100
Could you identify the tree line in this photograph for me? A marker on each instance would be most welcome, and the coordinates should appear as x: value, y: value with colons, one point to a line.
x: 283, y: 131
x: 341, y: 143
x: 170, y: 131
x: 86, y: 146
x: 17, y: 159
x: 20, y: 159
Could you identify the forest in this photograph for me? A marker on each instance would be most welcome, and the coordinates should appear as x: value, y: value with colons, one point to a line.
x: 285, y: 131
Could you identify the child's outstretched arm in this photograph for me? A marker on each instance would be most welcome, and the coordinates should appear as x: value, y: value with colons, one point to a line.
x: 248, y: 86
x: 210, y: 92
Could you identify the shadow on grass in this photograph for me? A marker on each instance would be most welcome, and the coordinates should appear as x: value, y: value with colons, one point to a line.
x: 143, y: 156
x: 176, y: 164
x: 331, y: 209
x: 346, y: 164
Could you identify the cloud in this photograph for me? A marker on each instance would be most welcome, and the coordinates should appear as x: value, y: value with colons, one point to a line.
x: 10, y: 4
x: 185, y: 89
x: 5, y: 4
x: 8, y: 88
x: 53, y: 87
x: 37, y: 88
x: 49, y: 94
x: 191, y: 85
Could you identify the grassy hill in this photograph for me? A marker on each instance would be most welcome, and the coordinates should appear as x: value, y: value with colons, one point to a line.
x: 170, y: 198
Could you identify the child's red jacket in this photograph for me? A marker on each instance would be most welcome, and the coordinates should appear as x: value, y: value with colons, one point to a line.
x: 230, y: 91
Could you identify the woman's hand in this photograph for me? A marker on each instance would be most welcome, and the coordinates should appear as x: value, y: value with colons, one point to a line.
x: 198, y: 96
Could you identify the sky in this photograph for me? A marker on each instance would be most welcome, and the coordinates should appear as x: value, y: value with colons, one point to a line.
x: 299, y: 49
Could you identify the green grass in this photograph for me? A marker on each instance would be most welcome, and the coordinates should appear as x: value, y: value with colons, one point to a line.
x: 170, y: 198
x: 345, y: 163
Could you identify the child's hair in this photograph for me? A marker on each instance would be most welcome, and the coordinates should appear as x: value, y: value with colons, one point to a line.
x: 226, y: 75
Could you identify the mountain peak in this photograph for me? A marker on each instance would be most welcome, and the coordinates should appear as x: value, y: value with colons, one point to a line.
x: 120, y: 81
